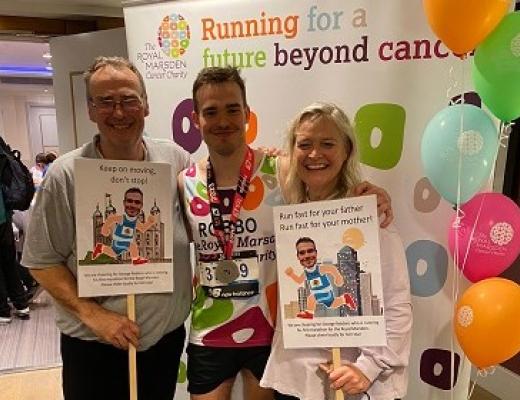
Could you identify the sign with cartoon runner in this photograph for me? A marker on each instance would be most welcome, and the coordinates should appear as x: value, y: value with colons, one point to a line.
x: 124, y: 244
x: 329, y: 273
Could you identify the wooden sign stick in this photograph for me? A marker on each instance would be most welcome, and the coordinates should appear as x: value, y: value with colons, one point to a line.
x: 132, y: 355
x: 336, y: 363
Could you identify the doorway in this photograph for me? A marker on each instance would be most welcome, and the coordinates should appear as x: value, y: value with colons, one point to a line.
x: 42, y: 127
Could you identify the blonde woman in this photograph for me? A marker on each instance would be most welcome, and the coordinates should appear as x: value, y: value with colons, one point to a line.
x: 323, y: 164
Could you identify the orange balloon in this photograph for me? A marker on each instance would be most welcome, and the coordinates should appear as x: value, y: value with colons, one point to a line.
x: 463, y: 24
x: 487, y: 321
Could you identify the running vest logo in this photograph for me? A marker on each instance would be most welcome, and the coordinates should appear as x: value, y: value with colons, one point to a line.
x: 316, y: 282
x: 248, y: 225
x: 127, y: 231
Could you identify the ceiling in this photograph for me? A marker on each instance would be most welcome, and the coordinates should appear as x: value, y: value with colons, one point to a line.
x: 24, y: 59
x: 61, y: 8
x: 21, y: 53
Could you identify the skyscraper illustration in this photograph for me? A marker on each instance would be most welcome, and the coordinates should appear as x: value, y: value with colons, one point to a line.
x: 377, y: 308
x: 303, y: 292
x: 348, y: 266
x: 365, y: 293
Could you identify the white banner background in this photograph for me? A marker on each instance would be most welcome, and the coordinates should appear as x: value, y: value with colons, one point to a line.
x: 403, y: 90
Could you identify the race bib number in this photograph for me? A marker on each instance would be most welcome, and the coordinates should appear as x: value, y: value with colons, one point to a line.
x: 230, y: 279
x: 247, y: 269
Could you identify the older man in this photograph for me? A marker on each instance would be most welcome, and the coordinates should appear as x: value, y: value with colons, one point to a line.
x: 95, y: 331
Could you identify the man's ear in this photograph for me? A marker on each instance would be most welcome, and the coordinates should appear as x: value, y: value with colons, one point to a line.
x: 195, y: 119
x: 92, y: 112
x: 248, y: 114
x: 146, y: 108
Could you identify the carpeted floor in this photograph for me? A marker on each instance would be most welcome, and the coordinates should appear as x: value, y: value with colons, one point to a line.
x: 30, y: 344
x: 44, y: 384
x: 31, y: 385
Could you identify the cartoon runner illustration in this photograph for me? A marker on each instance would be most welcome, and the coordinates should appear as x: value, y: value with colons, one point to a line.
x: 123, y: 229
x: 318, y: 281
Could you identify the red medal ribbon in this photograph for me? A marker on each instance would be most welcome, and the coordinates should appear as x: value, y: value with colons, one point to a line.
x: 226, y: 234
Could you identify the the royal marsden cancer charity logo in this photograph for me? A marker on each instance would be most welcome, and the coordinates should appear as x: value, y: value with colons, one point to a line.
x: 465, y: 316
x: 501, y: 233
x: 174, y: 35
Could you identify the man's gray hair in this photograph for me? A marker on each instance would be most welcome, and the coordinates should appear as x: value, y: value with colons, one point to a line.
x: 116, y: 63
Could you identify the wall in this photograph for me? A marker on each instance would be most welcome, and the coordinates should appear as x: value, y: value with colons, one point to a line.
x: 13, y: 114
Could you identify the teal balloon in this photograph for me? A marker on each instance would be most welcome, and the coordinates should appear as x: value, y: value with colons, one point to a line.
x: 496, y: 69
x: 461, y: 134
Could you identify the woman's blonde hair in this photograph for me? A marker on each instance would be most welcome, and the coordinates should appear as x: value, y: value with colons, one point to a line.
x: 349, y: 175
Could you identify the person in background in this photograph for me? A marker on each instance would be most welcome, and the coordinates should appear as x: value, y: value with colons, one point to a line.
x: 323, y: 165
x: 49, y: 159
x: 38, y: 170
x: 20, y: 222
x: 11, y: 287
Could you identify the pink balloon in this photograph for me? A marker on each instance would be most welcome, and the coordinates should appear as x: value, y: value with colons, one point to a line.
x: 491, y: 227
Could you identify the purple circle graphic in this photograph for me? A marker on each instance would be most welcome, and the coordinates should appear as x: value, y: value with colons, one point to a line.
x: 469, y: 98
x: 190, y: 140
x: 440, y: 359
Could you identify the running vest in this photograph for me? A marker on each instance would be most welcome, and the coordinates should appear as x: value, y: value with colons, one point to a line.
x: 319, y: 285
x: 240, y: 313
x: 124, y: 234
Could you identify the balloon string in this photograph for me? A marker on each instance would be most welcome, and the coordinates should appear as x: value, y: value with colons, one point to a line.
x: 458, y: 210
x: 460, y: 213
x: 452, y: 85
x: 504, y: 134
x: 472, y: 234
x: 484, y: 372
x: 504, y: 130
x: 458, y: 218
x: 456, y: 272
x: 472, y: 389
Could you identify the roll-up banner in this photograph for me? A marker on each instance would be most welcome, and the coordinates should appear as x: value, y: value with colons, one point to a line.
x: 381, y: 63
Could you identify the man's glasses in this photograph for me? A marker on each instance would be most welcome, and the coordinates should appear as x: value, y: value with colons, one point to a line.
x: 107, y: 104
x: 306, y: 251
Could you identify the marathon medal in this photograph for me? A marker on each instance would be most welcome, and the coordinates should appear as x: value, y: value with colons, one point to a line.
x: 226, y: 271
